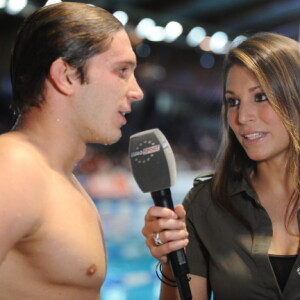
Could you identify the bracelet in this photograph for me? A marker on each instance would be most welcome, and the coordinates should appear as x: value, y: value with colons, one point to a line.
x: 163, y: 277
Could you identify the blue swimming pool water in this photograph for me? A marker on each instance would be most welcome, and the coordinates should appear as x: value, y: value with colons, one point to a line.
x: 131, y: 268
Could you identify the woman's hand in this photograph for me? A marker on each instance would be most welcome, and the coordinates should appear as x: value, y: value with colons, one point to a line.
x: 171, y: 229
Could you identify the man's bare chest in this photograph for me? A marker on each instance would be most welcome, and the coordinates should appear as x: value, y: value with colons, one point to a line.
x: 68, y: 246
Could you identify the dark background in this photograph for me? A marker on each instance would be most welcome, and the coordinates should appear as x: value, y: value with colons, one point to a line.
x: 183, y: 95
x: 182, y: 92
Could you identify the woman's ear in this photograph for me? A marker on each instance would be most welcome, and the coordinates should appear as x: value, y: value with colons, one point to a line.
x: 63, y: 76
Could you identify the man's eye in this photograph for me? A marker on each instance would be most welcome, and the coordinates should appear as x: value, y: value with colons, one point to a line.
x: 232, y: 102
x: 123, y: 70
x: 261, y: 97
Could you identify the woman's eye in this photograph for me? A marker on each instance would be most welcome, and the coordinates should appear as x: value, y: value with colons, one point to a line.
x: 232, y: 102
x: 261, y: 97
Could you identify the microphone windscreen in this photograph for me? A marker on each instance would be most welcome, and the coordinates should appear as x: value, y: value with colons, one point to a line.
x: 152, y: 160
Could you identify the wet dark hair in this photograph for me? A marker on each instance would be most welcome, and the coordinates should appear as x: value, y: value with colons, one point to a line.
x: 72, y: 31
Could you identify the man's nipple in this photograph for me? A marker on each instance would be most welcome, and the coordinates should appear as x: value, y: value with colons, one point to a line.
x: 91, y: 270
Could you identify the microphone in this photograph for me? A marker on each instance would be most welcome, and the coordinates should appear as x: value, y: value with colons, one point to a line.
x: 154, y: 169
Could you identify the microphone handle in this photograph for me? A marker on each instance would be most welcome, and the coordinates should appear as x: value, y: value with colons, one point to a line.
x: 177, y: 258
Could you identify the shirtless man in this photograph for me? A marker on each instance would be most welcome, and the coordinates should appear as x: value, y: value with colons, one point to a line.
x: 73, y: 82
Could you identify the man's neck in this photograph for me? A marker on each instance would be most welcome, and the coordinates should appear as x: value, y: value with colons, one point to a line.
x: 54, y: 138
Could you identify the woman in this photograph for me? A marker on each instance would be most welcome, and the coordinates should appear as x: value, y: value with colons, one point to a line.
x: 241, y: 233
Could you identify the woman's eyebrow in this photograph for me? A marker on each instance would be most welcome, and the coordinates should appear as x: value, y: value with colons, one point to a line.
x: 229, y: 92
x: 250, y: 89
x: 254, y: 88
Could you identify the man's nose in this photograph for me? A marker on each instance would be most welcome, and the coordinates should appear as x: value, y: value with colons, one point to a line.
x: 136, y: 93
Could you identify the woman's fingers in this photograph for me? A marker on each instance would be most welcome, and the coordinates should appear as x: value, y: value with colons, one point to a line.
x: 161, y: 252
x: 155, y: 212
x: 168, y: 227
x: 159, y: 219
x: 180, y: 211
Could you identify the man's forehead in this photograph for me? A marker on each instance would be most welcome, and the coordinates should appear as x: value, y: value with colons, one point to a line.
x: 123, y: 55
x: 120, y: 45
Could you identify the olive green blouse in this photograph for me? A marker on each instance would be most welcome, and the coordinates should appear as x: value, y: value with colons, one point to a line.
x: 222, y: 249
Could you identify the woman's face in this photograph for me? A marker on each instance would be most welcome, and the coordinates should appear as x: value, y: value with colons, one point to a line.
x: 254, y: 122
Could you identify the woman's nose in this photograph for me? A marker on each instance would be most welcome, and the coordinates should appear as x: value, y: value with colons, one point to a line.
x: 246, y: 113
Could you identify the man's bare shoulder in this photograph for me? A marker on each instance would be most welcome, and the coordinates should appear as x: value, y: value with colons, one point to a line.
x: 21, y: 176
x: 21, y: 190
x: 16, y: 150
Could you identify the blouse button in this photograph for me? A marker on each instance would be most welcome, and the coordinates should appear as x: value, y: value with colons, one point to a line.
x: 298, y: 270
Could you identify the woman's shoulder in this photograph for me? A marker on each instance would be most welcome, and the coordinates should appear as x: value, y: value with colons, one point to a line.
x: 203, y: 179
x: 200, y: 194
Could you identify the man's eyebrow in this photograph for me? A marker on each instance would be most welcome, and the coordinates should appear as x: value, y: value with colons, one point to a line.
x: 129, y: 62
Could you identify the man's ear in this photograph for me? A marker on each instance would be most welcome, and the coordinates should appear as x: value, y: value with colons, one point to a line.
x: 63, y: 76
